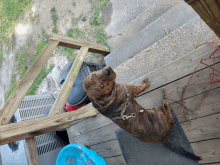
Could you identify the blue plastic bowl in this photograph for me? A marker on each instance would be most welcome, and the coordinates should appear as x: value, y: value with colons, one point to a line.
x: 76, y: 154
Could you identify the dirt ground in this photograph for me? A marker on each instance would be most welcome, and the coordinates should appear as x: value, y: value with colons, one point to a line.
x: 28, y: 32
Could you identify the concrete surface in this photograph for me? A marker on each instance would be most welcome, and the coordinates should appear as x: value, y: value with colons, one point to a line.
x: 144, y: 19
x: 123, y: 12
x: 171, y: 20
x: 176, y: 44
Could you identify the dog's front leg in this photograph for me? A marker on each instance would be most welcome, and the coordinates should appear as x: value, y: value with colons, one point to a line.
x: 136, y: 90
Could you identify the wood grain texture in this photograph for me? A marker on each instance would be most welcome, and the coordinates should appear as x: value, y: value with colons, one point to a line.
x: 174, y: 89
x: 26, y: 129
x: 92, y: 124
x: 179, y: 68
x: 107, y: 149
x: 208, y: 150
x: 77, y: 44
x: 204, y: 128
x: 22, y: 88
x: 31, y: 149
x: 209, y: 106
x: 68, y: 84
x: 209, y: 11
x: 100, y: 135
x: 116, y: 160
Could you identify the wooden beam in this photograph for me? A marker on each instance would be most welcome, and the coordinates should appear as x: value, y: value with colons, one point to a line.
x: 68, y: 84
x: 208, y: 150
x: 32, y: 154
x: 22, y: 88
x: 26, y: 129
x: 209, y: 11
x: 77, y: 44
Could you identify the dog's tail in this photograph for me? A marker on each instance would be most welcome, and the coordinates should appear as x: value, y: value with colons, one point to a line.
x: 180, y: 150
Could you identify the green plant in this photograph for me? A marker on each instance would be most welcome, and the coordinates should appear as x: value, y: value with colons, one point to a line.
x: 44, y: 72
x: 9, y: 11
x: 54, y: 15
x: 100, y: 35
x: 97, y: 6
x: 54, y: 30
x: 84, y: 19
x: 74, y: 21
x: 55, y: 18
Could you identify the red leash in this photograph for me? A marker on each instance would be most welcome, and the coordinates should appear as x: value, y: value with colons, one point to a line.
x: 212, y: 75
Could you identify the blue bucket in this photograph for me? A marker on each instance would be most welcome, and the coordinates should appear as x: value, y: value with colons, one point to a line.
x: 76, y: 154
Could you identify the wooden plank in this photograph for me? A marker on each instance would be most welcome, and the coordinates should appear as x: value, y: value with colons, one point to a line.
x: 179, y: 68
x: 68, y: 84
x: 174, y: 89
x: 203, y: 128
x: 22, y: 88
x: 116, y: 160
x: 100, y: 135
x: 107, y: 149
x: 209, y: 11
x: 208, y: 150
x: 209, y: 106
x: 211, y: 164
x: 32, y: 154
x: 77, y: 44
x: 89, y: 125
x: 15, y: 131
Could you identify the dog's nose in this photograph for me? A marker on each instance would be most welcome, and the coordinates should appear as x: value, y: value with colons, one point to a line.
x: 107, y: 72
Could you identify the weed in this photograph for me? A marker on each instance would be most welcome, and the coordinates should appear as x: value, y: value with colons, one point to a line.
x: 9, y: 11
x: 54, y: 17
x: 1, y: 52
x: 100, y: 35
x: 10, y: 91
x: 97, y: 6
x: 44, y: 72
x: 80, y: 16
x: 74, y: 21
x: 54, y: 30
x: 84, y: 19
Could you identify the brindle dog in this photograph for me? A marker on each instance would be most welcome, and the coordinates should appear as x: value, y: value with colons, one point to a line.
x: 116, y: 101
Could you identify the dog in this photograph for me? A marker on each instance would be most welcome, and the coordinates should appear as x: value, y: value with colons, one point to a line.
x: 116, y: 102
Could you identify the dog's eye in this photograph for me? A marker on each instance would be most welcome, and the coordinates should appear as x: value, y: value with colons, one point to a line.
x: 102, y: 86
x: 93, y: 75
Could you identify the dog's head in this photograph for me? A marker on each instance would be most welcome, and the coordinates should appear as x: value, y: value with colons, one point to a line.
x: 99, y: 83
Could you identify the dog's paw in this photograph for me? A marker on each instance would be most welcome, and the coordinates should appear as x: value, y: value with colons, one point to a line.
x: 146, y: 81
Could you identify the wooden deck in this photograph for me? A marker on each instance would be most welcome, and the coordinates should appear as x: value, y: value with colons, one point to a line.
x: 204, y: 131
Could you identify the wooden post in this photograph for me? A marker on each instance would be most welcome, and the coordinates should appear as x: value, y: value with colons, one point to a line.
x: 20, y: 91
x: 77, y: 44
x: 68, y: 84
x: 209, y: 11
x: 30, y: 128
x: 32, y: 154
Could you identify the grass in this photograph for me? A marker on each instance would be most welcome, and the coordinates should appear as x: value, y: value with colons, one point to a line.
x: 20, y: 57
x: 1, y: 52
x: 100, y: 35
x: 84, y: 19
x: 9, y: 12
x: 54, y: 16
x: 97, y: 6
x: 74, y: 21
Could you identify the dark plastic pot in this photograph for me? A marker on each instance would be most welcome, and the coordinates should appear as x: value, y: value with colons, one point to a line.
x: 77, y: 94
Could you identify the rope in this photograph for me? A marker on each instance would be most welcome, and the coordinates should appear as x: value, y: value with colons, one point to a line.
x: 212, y: 75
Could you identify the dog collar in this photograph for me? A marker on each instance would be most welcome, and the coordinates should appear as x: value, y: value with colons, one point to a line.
x: 121, y: 115
x: 127, y: 93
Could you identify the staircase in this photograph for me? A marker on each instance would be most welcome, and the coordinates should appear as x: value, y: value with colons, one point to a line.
x: 145, y: 35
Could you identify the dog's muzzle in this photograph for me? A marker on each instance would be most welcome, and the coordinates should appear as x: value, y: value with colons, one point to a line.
x: 107, y: 72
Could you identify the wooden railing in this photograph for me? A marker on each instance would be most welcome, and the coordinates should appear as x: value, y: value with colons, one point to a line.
x: 55, y: 121
x: 209, y: 11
